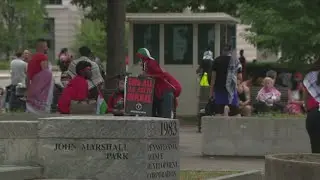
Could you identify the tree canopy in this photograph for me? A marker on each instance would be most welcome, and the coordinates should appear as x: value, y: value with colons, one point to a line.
x: 99, y: 7
x: 291, y: 26
x: 21, y: 22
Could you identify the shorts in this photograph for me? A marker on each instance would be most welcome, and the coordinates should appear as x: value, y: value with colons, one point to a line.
x: 219, y: 109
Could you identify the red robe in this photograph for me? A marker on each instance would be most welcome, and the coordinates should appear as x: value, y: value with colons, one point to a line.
x: 76, y: 90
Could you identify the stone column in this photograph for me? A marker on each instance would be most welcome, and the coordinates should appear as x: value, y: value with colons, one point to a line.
x: 116, y: 16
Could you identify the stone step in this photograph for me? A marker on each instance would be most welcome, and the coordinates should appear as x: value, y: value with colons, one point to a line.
x: 20, y: 172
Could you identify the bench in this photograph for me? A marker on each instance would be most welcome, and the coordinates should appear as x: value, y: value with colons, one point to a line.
x: 283, y: 90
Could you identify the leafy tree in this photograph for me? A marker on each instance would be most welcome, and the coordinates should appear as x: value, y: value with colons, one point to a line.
x: 287, y: 25
x: 92, y: 34
x: 99, y: 7
x: 21, y: 22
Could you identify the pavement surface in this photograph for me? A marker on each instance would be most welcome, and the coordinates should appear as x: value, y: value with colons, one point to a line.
x: 5, y: 77
x: 191, y: 159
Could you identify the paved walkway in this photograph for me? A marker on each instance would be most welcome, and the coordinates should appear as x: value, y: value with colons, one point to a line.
x: 190, y: 152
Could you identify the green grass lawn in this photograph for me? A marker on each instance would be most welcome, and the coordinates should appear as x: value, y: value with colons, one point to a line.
x: 203, y: 175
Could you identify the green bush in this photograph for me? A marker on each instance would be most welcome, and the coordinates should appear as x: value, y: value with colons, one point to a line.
x: 260, y: 69
x: 4, y: 65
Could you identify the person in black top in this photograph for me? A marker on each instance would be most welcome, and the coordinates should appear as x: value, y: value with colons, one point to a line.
x: 244, y: 99
x: 223, y: 65
x: 243, y: 62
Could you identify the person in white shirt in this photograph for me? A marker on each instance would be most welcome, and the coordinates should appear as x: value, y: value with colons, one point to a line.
x: 18, y: 69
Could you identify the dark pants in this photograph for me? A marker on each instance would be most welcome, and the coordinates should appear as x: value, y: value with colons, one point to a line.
x: 261, y: 107
x: 15, y: 103
x: 163, y: 107
x: 313, y: 128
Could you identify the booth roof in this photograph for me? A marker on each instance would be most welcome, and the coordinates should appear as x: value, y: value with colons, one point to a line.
x: 180, y: 17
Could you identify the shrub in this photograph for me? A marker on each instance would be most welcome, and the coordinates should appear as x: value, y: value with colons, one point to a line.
x: 4, y: 65
x: 260, y: 69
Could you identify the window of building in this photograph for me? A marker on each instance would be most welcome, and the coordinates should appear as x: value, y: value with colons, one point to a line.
x: 52, y: 2
x: 146, y: 36
x: 178, y: 43
x: 205, y: 40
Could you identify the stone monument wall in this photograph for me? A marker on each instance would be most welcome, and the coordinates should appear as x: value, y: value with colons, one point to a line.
x: 94, y: 147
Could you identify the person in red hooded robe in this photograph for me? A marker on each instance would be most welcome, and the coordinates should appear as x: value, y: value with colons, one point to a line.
x: 77, y: 88
x: 166, y: 89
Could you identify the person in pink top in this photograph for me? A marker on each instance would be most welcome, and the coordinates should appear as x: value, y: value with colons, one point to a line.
x: 311, y: 93
x: 268, y: 97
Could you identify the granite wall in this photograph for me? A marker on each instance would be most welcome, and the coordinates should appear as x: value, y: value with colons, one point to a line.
x: 253, y: 136
x: 95, y: 147
x: 292, y: 167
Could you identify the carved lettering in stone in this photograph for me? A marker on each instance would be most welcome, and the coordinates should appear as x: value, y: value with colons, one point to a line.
x: 112, y: 151
x: 169, y: 129
x: 158, y: 165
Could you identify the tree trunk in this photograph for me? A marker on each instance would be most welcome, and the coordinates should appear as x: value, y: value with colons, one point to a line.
x: 116, y: 16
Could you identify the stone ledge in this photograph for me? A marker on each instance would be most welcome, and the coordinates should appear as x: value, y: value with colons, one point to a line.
x: 292, y: 167
x: 253, y: 136
x: 18, y: 129
x: 19, y: 172
x: 249, y: 175
x: 96, y: 127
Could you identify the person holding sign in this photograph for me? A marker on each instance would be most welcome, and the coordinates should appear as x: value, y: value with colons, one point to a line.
x: 77, y: 88
x: 165, y: 92
x: 116, y: 100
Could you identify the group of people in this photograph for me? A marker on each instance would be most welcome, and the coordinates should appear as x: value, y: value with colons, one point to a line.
x: 82, y: 81
x: 231, y: 95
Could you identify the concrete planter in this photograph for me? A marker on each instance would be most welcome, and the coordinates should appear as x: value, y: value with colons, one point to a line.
x: 292, y: 167
x: 253, y: 136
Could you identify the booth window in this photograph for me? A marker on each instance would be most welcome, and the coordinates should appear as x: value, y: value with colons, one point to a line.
x: 146, y: 36
x: 178, y: 46
x: 205, y: 40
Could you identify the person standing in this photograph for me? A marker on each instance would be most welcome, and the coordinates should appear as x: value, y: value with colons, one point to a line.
x: 40, y: 82
x: 18, y: 70
x: 226, y: 70
x: 243, y: 62
x: 311, y: 96
x: 166, y: 88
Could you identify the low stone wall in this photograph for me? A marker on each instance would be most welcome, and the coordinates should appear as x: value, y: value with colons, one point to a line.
x: 292, y: 167
x: 18, y: 142
x: 94, y: 147
x: 249, y: 175
x: 253, y: 136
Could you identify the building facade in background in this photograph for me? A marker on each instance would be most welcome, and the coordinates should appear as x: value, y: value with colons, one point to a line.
x: 62, y: 23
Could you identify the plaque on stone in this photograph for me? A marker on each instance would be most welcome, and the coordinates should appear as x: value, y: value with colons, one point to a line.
x: 139, y: 96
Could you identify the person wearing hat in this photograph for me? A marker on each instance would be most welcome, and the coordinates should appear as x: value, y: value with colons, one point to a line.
x: 165, y: 92
x: 311, y: 96
x: 77, y: 88
x: 116, y: 100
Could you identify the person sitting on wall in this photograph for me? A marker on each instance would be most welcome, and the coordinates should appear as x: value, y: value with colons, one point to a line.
x: 116, y: 100
x: 165, y: 91
x: 268, y: 97
x: 77, y: 88
x: 295, y: 95
x: 244, y: 98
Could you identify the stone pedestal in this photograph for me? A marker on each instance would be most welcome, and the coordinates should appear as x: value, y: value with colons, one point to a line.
x: 108, y: 147
x: 292, y: 167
